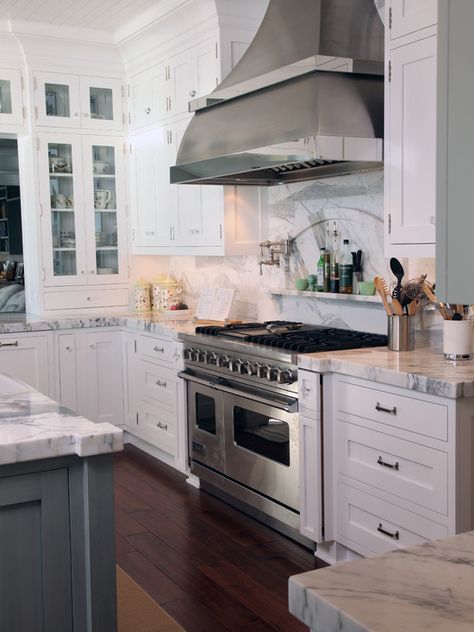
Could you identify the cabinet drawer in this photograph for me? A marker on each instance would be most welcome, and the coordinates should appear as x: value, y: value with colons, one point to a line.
x: 159, y: 349
x: 158, y: 383
x: 378, y: 526
x: 75, y: 299
x: 408, y: 470
x: 158, y: 426
x: 391, y: 409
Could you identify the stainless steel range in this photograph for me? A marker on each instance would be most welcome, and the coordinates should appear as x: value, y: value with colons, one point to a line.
x: 242, y: 402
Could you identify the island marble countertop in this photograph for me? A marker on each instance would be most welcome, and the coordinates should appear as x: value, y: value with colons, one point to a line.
x: 424, y: 370
x: 428, y: 587
x: 33, y: 426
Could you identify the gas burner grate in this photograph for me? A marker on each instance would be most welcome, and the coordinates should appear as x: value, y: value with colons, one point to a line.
x: 311, y: 341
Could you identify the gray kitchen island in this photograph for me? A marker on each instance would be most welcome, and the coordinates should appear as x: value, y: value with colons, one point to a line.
x: 57, y: 560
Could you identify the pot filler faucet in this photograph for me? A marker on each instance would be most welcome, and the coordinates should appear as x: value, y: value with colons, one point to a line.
x: 272, y: 253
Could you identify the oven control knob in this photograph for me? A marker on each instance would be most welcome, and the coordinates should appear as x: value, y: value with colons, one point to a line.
x: 250, y: 369
x: 222, y: 361
x: 261, y: 370
x: 210, y: 357
x: 284, y: 376
x: 235, y: 365
x: 195, y: 355
x: 271, y: 373
x: 187, y: 354
x: 244, y: 367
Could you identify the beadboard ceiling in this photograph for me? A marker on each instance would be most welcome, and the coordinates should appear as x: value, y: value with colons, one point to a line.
x: 104, y: 15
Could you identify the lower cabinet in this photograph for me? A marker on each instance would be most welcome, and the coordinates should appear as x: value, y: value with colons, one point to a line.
x: 154, y: 395
x: 90, y: 374
x: 57, y: 566
x: 402, y: 467
x: 29, y: 358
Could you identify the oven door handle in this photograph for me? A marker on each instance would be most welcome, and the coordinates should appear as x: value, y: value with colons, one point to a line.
x: 289, y: 405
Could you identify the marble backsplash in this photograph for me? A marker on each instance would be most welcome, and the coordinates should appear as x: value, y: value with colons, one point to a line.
x: 299, y: 211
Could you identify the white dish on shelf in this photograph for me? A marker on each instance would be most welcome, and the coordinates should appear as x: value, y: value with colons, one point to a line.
x: 100, y: 166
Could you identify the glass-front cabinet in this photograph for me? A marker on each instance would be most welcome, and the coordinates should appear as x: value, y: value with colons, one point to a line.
x: 83, y: 224
x: 11, y: 106
x: 80, y: 102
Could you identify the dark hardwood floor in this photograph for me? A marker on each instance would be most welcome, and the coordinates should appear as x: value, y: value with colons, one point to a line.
x: 209, y: 566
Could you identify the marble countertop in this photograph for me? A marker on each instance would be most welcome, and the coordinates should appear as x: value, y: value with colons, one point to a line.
x: 428, y: 587
x: 33, y: 426
x: 423, y: 370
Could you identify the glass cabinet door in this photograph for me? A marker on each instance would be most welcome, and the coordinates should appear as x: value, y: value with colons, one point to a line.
x: 11, y: 108
x: 57, y: 100
x: 63, y: 214
x: 101, y: 103
x: 105, y: 234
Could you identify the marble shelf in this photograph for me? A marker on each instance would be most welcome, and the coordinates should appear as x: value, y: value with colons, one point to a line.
x: 328, y: 296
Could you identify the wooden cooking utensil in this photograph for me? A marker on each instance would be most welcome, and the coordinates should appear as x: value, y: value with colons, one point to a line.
x: 382, y: 289
x: 397, y: 307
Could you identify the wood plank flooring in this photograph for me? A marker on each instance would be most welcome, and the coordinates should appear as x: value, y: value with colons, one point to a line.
x: 210, y: 567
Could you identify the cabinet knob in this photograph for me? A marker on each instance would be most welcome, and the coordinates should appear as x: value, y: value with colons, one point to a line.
x: 86, y: 114
x: 147, y: 110
x: 192, y: 93
x: 92, y: 346
x: 88, y: 298
x: 83, y: 271
x: 68, y: 348
x: 92, y: 271
x: 77, y: 114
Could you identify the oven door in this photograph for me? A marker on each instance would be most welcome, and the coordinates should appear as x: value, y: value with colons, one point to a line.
x: 205, y: 424
x: 261, y: 448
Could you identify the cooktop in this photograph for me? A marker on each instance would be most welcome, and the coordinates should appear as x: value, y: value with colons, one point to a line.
x: 296, y: 337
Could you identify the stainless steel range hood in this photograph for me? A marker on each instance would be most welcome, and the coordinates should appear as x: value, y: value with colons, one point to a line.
x: 305, y: 101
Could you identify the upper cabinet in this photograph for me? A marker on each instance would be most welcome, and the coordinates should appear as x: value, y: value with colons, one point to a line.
x: 11, y: 103
x: 82, y: 196
x: 88, y: 103
x: 406, y: 17
x: 410, y: 128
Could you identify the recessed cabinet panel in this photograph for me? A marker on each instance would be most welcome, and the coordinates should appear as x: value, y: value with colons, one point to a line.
x: 206, y: 67
x: 182, y: 83
x: 409, y: 16
x: 149, y: 102
x: 411, y: 145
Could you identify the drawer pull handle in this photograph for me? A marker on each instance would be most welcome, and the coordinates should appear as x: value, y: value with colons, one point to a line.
x: 162, y: 426
x: 159, y: 349
x: 382, y: 409
x: 161, y: 383
x: 394, y: 536
x: 392, y: 466
x: 9, y: 344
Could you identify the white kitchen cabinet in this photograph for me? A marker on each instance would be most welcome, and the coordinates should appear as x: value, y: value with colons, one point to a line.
x: 11, y: 102
x: 411, y: 138
x: 311, y: 463
x: 83, y: 213
x: 401, y: 466
x: 149, y: 100
x: 68, y: 372
x: 29, y: 358
x: 411, y: 144
x: 150, y: 188
x: 193, y: 73
x: 100, y: 376
x: 81, y: 102
x: 406, y: 17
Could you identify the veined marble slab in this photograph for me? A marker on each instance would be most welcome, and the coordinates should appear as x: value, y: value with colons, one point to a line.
x: 423, y: 370
x: 33, y: 426
x: 428, y: 587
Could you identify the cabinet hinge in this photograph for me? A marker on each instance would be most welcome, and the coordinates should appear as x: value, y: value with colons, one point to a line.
x: 390, y: 17
x: 122, y: 90
x: 41, y: 210
x: 135, y: 345
x: 22, y: 82
x: 38, y: 144
x: 43, y: 273
x: 126, y: 210
x: 128, y: 90
x: 220, y: 232
x: 36, y: 111
x: 24, y: 112
x: 389, y: 223
x: 217, y: 50
x: 123, y: 118
x: 129, y: 118
x: 171, y: 137
x: 130, y: 147
x: 35, y: 83
x: 133, y: 234
x: 390, y: 70
x: 137, y: 419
